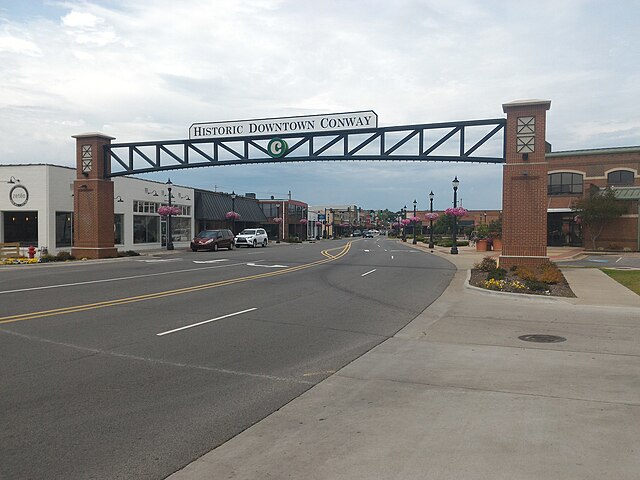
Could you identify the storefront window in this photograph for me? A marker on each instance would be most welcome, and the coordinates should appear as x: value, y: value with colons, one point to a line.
x: 118, y: 227
x: 146, y: 229
x: 64, y: 229
x: 21, y: 227
x: 181, y: 229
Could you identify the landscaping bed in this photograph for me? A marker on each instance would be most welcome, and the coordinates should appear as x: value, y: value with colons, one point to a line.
x: 546, y: 279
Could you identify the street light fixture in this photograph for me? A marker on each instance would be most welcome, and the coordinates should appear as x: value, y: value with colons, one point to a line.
x: 415, y: 223
x: 431, y: 195
x: 454, y: 246
x: 169, y: 236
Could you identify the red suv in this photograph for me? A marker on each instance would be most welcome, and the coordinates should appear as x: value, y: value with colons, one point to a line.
x: 212, y: 240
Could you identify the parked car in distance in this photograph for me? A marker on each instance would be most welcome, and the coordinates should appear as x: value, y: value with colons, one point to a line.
x: 213, y: 240
x: 368, y: 234
x: 252, y: 237
x: 357, y: 233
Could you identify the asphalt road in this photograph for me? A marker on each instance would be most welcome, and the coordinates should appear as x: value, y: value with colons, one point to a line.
x: 132, y: 368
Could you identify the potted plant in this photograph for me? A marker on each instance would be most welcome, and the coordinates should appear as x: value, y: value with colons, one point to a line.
x: 495, y: 233
x: 482, y: 238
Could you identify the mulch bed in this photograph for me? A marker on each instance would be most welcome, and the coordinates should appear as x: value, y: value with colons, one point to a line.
x: 560, y: 289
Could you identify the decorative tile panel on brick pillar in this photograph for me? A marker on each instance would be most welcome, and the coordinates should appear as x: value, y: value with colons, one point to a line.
x: 524, y: 184
x: 93, y: 234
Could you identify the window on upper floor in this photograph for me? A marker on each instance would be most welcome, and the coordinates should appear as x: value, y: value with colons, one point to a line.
x: 620, y: 177
x: 564, y: 183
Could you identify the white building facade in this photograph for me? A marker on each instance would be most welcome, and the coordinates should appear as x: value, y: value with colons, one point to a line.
x: 36, y: 208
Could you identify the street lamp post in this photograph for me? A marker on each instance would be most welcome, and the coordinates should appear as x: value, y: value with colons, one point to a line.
x: 404, y: 226
x: 415, y: 223
x: 454, y: 246
x: 431, y: 195
x: 169, y: 236
x: 325, y: 235
x: 233, y: 209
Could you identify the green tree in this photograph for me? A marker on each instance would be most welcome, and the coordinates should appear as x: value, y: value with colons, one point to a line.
x: 597, y: 210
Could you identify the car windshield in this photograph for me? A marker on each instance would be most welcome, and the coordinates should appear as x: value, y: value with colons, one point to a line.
x: 248, y: 232
x: 208, y: 234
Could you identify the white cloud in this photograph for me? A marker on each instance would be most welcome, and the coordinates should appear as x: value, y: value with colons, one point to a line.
x: 146, y: 70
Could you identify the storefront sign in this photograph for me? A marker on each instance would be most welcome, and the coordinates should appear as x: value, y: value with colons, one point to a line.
x: 18, y: 196
x: 266, y: 126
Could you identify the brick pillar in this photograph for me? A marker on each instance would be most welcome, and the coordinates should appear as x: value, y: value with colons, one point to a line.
x: 524, y: 184
x: 93, y: 235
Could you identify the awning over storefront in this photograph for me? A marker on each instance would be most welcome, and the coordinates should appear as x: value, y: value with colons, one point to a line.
x: 626, y: 193
x: 214, y: 206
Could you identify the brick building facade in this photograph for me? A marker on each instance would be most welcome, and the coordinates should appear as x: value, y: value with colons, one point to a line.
x: 575, y: 174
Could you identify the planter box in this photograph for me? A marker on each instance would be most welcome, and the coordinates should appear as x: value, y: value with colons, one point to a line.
x: 497, y: 244
x: 481, y: 245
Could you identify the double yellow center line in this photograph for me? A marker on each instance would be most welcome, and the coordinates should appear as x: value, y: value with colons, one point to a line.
x: 179, y: 291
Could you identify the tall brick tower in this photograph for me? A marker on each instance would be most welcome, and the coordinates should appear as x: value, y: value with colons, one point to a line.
x: 524, y: 184
x: 93, y: 235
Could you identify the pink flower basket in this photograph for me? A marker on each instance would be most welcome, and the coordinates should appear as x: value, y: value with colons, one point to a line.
x: 456, y: 212
x: 431, y: 216
x: 234, y: 215
x: 165, y: 210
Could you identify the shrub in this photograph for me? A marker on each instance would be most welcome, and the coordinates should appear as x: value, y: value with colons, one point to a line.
x: 549, y: 273
x: 63, y: 256
x: 525, y: 273
x: 128, y: 253
x: 497, y: 274
x: 536, y: 286
x: 487, y: 264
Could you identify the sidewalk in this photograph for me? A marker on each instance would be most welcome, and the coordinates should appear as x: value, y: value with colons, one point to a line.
x: 457, y: 395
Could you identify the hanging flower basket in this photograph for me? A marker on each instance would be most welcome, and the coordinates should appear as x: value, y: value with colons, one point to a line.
x: 166, y: 210
x: 277, y: 219
x: 304, y: 221
x: 413, y: 219
x: 234, y: 215
x: 318, y: 224
x: 405, y: 221
x: 432, y: 216
x: 456, y: 212
x: 395, y: 224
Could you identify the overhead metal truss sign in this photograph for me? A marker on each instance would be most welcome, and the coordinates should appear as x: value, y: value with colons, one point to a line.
x: 478, y: 141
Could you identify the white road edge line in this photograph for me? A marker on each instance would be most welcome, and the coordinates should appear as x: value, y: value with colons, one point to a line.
x: 365, y: 274
x: 206, y: 321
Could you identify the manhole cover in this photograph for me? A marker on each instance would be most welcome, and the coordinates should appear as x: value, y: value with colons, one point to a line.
x: 539, y: 338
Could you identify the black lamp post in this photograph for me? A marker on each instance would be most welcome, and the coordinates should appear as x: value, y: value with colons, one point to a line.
x: 169, y: 236
x: 233, y: 209
x: 454, y: 246
x: 415, y: 223
x: 333, y: 230
x: 431, y: 195
x: 325, y: 234
x: 404, y: 226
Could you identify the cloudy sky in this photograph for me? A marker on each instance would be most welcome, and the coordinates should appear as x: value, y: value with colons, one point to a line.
x: 142, y: 70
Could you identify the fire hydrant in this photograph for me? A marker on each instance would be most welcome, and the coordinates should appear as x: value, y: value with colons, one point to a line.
x: 32, y: 251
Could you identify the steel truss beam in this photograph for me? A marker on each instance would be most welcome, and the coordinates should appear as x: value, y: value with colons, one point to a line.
x: 377, y: 144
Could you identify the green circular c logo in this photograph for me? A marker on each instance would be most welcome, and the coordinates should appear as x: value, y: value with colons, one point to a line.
x: 277, y: 148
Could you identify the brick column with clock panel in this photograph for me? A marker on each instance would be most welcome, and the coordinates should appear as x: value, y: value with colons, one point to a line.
x: 524, y: 184
x: 93, y: 220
